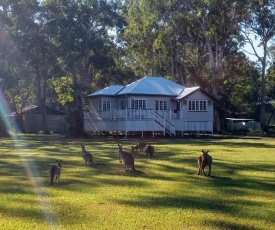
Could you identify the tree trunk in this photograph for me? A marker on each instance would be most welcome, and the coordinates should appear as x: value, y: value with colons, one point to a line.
x: 262, y: 113
x: 77, y: 116
x: 42, y: 87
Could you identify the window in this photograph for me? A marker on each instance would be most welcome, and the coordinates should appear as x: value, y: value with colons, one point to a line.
x: 104, y: 105
x: 197, y: 105
x: 161, y: 105
x: 138, y: 104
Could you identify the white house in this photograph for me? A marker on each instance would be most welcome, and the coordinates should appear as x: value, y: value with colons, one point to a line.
x: 151, y: 104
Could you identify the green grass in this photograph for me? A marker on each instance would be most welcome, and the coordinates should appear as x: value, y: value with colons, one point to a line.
x: 165, y: 193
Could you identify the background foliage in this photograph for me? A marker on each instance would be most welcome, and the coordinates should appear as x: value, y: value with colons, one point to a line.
x: 56, y: 52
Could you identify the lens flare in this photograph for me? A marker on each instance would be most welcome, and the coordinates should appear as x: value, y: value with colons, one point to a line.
x: 29, y: 164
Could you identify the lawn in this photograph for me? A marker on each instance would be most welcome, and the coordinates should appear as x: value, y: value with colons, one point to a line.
x: 165, y: 192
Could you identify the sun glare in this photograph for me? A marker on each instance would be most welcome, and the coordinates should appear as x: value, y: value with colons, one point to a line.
x: 29, y: 164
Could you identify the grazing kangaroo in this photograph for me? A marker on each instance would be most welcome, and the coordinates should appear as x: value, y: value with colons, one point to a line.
x: 88, y: 157
x: 149, y: 151
x: 127, y: 158
x: 204, y: 160
x: 55, y: 171
x: 139, y: 146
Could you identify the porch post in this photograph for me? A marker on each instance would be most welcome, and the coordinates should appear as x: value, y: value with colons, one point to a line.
x: 181, y: 123
x: 154, y: 124
x: 164, y: 126
x: 126, y: 123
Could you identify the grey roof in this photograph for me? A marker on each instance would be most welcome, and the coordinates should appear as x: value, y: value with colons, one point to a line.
x: 34, y: 109
x: 152, y: 86
x: 108, y: 91
x: 186, y: 92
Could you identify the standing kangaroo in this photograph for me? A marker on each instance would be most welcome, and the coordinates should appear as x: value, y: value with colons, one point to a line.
x: 127, y: 158
x: 204, y: 160
x: 55, y: 171
x: 150, y: 150
x: 88, y: 157
x: 139, y: 146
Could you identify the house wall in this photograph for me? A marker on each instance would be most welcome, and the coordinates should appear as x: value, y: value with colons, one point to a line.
x: 127, y: 119
x: 94, y: 102
x: 203, y: 116
x: 151, y: 101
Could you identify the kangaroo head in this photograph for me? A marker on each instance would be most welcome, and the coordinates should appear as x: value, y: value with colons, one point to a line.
x: 205, y: 152
x: 59, y: 163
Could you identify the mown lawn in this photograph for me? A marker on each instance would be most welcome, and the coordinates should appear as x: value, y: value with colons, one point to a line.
x: 165, y: 192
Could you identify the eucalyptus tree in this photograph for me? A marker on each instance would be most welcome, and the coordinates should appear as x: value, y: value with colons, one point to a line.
x: 261, y: 25
x: 238, y: 84
x: 219, y: 23
x: 79, y: 30
x: 139, y: 36
x: 157, y: 41
x: 17, y: 73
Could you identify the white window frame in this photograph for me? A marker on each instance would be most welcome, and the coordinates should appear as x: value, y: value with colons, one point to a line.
x: 104, y: 106
x: 197, y: 105
x: 161, y: 105
x: 138, y: 104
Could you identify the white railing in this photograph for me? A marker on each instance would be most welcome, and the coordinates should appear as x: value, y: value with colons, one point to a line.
x: 115, y: 114
x: 143, y: 120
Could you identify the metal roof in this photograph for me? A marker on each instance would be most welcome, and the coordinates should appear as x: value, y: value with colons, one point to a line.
x: 108, y: 91
x: 186, y: 92
x: 152, y: 86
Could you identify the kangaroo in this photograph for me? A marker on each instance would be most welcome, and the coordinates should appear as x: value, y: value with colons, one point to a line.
x: 204, y: 160
x: 139, y: 146
x: 88, y: 157
x: 150, y: 150
x: 127, y: 158
x: 55, y: 170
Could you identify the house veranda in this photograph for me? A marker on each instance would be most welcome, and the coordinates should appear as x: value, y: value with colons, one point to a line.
x: 151, y: 104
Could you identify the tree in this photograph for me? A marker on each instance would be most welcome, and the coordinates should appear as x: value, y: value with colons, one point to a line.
x: 79, y: 32
x: 219, y: 23
x: 26, y: 28
x: 16, y: 75
x: 139, y: 36
x: 261, y: 24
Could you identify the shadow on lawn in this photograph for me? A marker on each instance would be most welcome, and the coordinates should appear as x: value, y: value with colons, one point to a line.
x: 206, y: 204
x: 228, y: 225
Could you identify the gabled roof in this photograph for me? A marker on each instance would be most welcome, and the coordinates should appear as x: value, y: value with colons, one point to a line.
x: 159, y: 86
x: 188, y: 91
x: 152, y: 86
x: 108, y: 91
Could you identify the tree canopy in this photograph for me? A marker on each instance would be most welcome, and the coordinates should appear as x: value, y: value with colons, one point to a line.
x: 54, y: 52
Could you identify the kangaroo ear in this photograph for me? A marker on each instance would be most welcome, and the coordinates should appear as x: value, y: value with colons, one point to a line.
x: 202, y: 151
